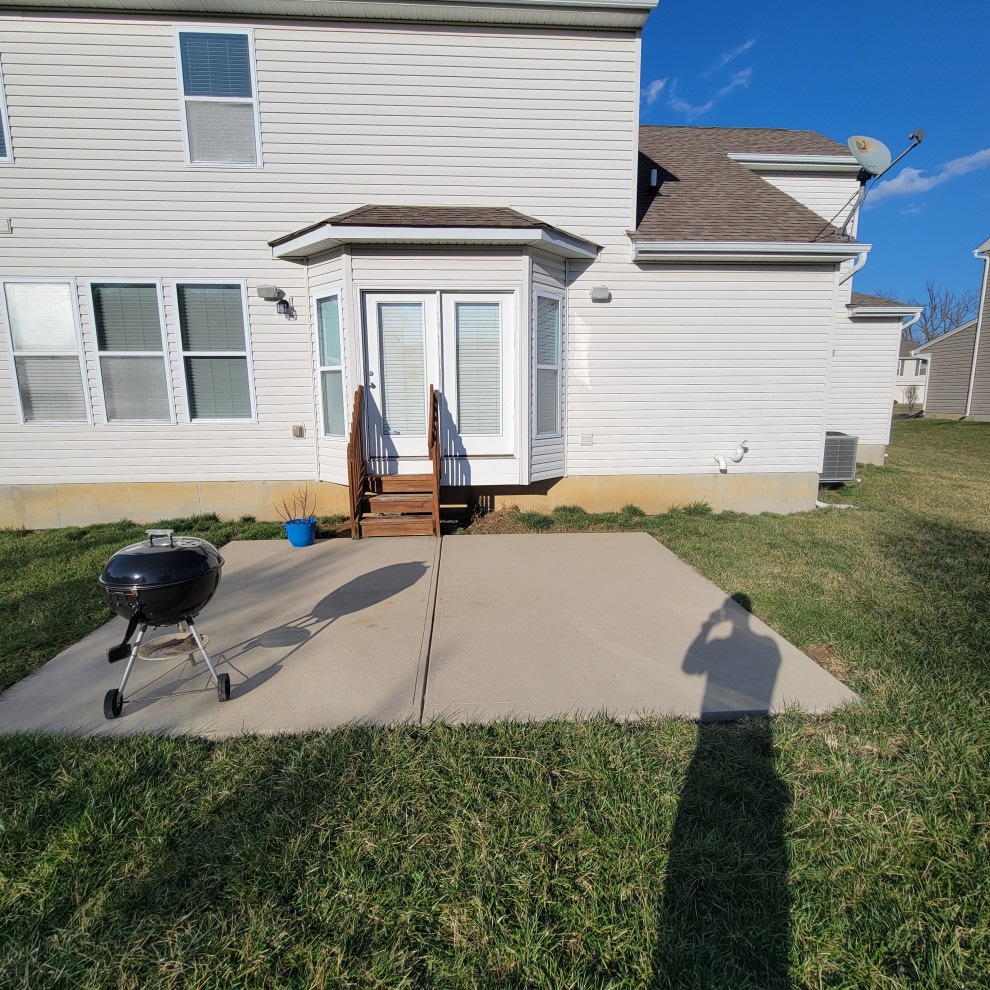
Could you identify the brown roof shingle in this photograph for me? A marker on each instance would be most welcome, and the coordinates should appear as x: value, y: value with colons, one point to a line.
x: 706, y: 196
x: 862, y: 299
x: 436, y: 216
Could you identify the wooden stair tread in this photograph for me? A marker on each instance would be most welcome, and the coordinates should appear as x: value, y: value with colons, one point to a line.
x: 421, y: 525
x: 399, y: 502
x: 389, y: 483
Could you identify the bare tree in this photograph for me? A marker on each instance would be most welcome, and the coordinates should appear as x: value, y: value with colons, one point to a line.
x: 944, y: 311
x: 911, y: 398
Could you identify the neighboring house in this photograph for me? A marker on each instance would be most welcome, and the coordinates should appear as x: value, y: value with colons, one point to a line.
x: 864, y: 361
x: 605, y: 309
x: 959, y: 361
x: 912, y: 372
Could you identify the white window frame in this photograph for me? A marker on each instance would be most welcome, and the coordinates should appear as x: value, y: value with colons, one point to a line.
x: 502, y: 442
x: 80, y: 352
x: 183, y: 353
x: 163, y: 353
x: 558, y: 367
x: 7, y: 159
x: 333, y: 293
x: 183, y: 99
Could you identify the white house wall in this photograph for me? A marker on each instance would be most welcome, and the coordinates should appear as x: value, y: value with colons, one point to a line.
x: 861, y: 389
x: 684, y: 362
x: 542, y: 121
x: 825, y: 194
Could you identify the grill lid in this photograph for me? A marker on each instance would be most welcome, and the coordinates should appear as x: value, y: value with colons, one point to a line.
x: 162, y: 559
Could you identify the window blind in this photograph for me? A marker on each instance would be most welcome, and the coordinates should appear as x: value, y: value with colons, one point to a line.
x: 403, y: 359
x: 3, y: 128
x: 331, y: 369
x: 127, y: 317
x: 218, y: 387
x: 215, y: 64
x: 211, y: 317
x: 134, y: 388
x: 547, y: 366
x: 479, y: 372
x: 42, y: 326
x: 221, y: 132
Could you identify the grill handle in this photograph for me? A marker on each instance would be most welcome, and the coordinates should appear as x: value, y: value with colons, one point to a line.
x: 160, y: 534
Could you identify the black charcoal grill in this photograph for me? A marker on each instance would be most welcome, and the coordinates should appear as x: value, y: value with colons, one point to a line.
x: 161, y: 581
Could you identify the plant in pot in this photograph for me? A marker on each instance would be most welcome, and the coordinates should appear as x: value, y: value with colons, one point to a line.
x: 298, y: 512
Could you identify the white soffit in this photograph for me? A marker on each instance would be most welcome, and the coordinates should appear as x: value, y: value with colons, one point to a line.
x: 797, y: 163
x: 613, y: 15
x: 759, y: 252
x: 326, y: 237
x: 857, y: 311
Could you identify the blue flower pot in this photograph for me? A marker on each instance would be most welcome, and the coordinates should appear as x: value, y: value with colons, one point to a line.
x: 301, y: 532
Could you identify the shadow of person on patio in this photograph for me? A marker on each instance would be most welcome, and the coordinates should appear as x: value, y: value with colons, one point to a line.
x: 725, y: 915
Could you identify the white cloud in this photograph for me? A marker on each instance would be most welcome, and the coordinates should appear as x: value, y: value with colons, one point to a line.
x: 653, y: 91
x: 689, y: 109
x: 911, y: 209
x: 741, y: 78
x: 914, y: 181
x: 726, y: 57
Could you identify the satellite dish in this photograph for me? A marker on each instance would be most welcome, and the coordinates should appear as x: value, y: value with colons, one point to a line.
x: 873, y: 155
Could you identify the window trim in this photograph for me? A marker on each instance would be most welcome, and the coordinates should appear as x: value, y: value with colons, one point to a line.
x: 183, y: 99
x: 317, y: 298
x: 80, y: 351
x: 163, y: 354
x: 7, y: 159
x: 558, y: 367
x: 183, y: 353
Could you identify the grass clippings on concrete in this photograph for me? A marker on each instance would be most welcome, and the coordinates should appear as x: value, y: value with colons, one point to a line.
x: 841, y: 851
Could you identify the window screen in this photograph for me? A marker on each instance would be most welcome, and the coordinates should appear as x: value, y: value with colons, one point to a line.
x: 133, y: 372
x: 5, y: 154
x: 214, y: 346
x: 219, y: 101
x: 547, y: 366
x: 331, y: 365
x: 42, y: 324
x: 479, y: 368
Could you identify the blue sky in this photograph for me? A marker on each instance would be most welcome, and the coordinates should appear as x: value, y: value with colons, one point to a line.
x: 880, y: 69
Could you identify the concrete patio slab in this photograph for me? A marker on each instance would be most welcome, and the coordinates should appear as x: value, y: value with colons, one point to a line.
x: 310, y: 637
x: 561, y: 624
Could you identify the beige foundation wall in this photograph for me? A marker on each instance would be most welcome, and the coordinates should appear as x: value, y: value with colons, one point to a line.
x: 50, y: 506
x: 792, y: 492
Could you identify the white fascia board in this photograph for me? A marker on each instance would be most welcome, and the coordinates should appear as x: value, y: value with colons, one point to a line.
x: 885, y: 310
x: 750, y: 251
x: 606, y: 14
x: 945, y: 336
x: 984, y: 248
x: 796, y: 163
x: 327, y: 237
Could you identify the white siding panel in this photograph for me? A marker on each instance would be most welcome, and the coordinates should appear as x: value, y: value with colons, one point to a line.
x: 539, y: 120
x: 825, y: 194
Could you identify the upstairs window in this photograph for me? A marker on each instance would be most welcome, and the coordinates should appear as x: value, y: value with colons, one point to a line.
x: 215, y: 350
x: 130, y: 347
x: 46, y: 347
x: 220, y: 120
x: 6, y: 154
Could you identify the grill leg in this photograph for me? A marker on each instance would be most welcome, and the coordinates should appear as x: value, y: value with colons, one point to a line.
x: 202, y: 649
x: 130, y: 660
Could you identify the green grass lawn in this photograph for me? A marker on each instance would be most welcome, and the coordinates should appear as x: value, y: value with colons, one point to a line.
x: 833, y: 852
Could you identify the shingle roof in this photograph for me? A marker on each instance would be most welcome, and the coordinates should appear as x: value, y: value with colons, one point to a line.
x: 706, y: 196
x: 436, y: 216
x: 862, y: 299
x: 497, y: 217
x: 906, y: 347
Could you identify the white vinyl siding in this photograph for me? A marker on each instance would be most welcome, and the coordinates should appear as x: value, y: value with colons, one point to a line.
x: 221, y: 119
x: 6, y: 150
x: 331, y: 365
x: 215, y: 350
x: 547, y: 334
x: 45, y: 347
x: 826, y: 194
x: 128, y: 322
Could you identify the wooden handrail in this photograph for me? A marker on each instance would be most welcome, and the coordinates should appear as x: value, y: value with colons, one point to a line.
x: 436, y: 455
x: 357, y: 475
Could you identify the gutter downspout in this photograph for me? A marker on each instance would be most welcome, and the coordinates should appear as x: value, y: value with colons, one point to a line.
x: 860, y: 261
x: 985, y: 255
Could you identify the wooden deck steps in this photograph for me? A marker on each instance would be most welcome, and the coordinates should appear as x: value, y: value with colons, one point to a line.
x: 389, y: 504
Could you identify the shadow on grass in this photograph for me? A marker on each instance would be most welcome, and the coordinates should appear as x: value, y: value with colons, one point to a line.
x: 725, y: 914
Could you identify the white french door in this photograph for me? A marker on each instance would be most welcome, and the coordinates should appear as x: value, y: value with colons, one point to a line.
x: 462, y: 343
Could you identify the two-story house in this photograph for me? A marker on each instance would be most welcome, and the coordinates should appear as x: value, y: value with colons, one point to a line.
x: 218, y: 222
